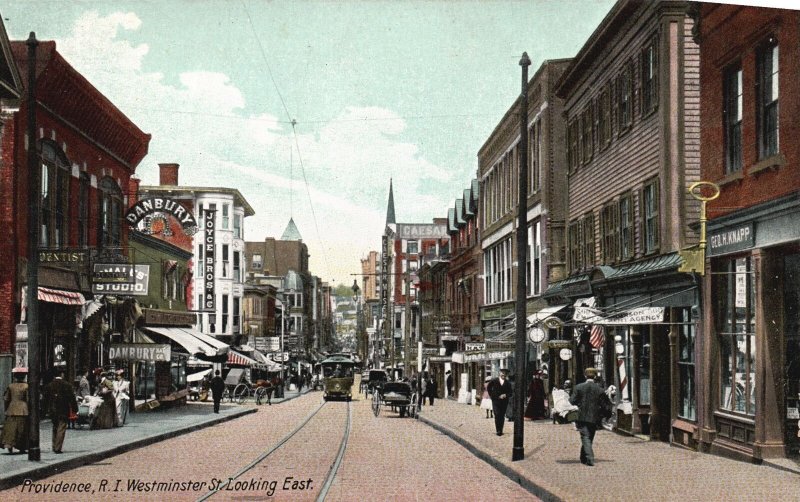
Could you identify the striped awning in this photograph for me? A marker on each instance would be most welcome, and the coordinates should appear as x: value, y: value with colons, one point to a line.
x: 60, y: 296
x: 240, y: 359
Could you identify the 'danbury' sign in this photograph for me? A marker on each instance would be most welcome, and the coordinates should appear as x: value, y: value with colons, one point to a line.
x: 162, y: 205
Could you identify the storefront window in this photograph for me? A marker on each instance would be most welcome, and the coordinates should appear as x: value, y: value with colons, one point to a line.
x: 644, y: 371
x: 687, y: 403
x: 735, y: 294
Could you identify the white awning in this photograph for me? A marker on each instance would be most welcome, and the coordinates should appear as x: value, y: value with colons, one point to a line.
x: 221, y: 346
x: 192, y: 344
x: 196, y: 377
x: 544, y: 313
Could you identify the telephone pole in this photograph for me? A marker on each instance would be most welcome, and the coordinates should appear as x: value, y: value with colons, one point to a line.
x: 518, y: 451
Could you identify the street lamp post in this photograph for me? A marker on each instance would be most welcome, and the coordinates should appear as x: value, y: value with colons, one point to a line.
x: 518, y: 450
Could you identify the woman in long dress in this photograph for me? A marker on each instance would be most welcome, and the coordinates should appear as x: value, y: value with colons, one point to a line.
x: 486, y: 401
x: 106, y: 416
x: 536, y: 409
x: 122, y: 397
x: 15, y: 428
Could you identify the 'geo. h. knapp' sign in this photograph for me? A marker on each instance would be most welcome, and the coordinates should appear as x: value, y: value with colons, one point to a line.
x: 731, y: 239
x: 138, y: 211
x: 140, y: 351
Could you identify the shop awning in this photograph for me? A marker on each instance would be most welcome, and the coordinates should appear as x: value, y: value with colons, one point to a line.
x: 241, y: 359
x: 221, y: 346
x: 192, y: 344
x: 60, y: 296
x: 544, y: 313
x: 196, y: 377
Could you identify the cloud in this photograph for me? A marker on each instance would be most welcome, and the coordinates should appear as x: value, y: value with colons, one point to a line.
x: 202, y: 122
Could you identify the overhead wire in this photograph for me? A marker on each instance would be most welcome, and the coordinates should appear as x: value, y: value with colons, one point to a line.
x: 293, y: 122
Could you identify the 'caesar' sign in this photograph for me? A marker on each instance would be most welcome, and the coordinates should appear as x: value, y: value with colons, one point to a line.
x: 161, y: 205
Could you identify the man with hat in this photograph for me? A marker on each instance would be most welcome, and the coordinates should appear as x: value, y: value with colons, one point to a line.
x: 62, y: 402
x: 586, y: 397
x: 500, y: 391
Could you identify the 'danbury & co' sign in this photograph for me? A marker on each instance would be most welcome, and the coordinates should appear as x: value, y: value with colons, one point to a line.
x: 161, y: 205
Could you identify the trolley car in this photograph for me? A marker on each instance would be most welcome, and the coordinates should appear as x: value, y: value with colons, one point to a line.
x: 337, y: 374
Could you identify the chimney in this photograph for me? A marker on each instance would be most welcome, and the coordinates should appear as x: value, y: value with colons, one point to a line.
x: 133, y: 190
x: 168, y: 174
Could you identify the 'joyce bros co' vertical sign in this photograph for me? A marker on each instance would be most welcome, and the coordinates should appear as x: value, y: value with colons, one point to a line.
x: 208, y: 266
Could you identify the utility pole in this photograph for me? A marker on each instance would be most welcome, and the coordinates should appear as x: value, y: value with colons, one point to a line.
x: 34, y: 453
x: 518, y: 451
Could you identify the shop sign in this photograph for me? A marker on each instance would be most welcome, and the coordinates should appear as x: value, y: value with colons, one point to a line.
x: 209, y: 267
x: 471, y: 347
x: 155, y: 317
x: 731, y: 239
x: 138, y: 211
x: 64, y: 256
x: 140, y: 351
x: 139, y: 286
x: 559, y: 344
x: 112, y: 273
x: 464, y: 358
x: 421, y: 231
x: 641, y: 315
x: 792, y: 413
x: 440, y: 359
x: 579, y: 288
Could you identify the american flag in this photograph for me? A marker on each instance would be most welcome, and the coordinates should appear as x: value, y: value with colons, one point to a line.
x: 597, y: 336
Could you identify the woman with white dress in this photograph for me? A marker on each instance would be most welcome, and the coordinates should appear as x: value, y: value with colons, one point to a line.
x: 122, y: 397
x: 486, y: 401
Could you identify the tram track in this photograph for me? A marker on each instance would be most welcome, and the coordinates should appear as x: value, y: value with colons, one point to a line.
x: 331, y: 473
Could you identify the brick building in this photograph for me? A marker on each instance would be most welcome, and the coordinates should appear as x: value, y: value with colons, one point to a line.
x: 749, y: 393
x: 88, y: 150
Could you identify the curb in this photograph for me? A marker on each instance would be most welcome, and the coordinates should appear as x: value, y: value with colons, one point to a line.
x: 48, y: 470
x: 526, y: 483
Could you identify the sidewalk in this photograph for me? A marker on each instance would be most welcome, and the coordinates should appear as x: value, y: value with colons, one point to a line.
x: 83, y: 446
x: 626, y: 468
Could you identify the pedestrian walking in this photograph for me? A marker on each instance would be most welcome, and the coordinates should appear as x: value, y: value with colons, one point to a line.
x: 107, y: 412
x: 486, y: 401
x: 217, y: 388
x: 15, y: 428
x: 586, y: 397
x: 62, y: 403
x: 536, y: 396
x: 500, y: 391
x: 430, y: 389
x: 449, y: 382
x: 511, y: 408
x: 122, y: 389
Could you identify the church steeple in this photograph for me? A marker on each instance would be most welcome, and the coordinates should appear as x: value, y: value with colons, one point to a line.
x: 390, y: 218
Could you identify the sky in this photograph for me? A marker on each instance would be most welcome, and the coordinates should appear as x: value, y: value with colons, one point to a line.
x: 377, y: 90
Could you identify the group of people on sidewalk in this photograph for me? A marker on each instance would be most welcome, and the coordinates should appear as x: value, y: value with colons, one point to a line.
x: 62, y: 406
x: 589, y: 399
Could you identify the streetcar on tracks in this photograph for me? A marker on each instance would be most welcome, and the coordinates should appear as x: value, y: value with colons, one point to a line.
x: 337, y: 377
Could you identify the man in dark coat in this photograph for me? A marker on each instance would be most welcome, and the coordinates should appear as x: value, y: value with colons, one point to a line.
x: 61, y: 398
x: 430, y: 389
x: 586, y: 397
x: 500, y: 391
x: 217, y: 388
